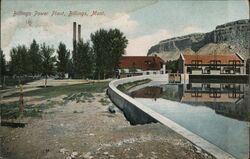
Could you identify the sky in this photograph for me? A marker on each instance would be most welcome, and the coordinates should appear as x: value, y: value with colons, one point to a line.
x: 143, y: 22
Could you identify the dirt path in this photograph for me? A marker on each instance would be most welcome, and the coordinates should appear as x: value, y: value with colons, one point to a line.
x: 88, y: 130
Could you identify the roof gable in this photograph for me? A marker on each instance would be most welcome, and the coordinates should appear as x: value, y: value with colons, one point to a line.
x: 141, y: 62
x: 206, y: 59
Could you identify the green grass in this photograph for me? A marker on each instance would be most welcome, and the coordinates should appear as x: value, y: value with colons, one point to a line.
x: 50, y: 92
x: 104, y: 101
x: 79, y: 97
x: 11, y: 110
x: 77, y: 92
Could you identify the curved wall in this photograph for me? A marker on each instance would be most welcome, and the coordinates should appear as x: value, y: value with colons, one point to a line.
x: 138, y: 113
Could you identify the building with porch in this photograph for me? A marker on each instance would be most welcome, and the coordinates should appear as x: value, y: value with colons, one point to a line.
x: 141, y: 65
x: 211, y: 64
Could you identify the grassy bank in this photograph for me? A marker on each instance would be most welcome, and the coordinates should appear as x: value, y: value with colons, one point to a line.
x: 50, y: 92
x: 11, y: 110
x: 78, y: 92
x: 126, y: 86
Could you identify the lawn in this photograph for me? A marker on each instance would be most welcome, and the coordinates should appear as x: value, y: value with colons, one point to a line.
x: 77, y: 92
x: 11, y: 110
x: 49, y: 92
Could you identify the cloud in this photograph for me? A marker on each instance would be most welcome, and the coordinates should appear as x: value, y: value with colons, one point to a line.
x: 139, y: 46
x: 123, y: 22
x: 191, y: 29
x: 8, y: 28
x: 45, y: 29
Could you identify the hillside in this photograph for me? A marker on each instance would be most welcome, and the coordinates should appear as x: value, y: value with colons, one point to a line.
x: 229, y: 38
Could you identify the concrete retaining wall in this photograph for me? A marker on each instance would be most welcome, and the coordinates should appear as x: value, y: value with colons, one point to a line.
x: 131, y: 108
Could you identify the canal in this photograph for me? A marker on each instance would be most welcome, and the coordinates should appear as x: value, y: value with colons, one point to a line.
x: 218, y: 112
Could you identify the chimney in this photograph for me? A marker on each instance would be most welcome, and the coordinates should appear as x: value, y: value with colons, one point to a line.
x: 74, y: 35
x: 79, y: 32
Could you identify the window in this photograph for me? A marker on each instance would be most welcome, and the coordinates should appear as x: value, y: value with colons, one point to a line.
x: 233, y: 94
x: 196, y: 93
x: 207, y: 86
x: 214, y: 94
x: 235, y: 65
x: 227, y: 71
x: 147, y: 62
x: 234, y: 62
x: 196, y: 64
x: 215, y: 64
x: 147, y: 73
x: 189, y: 70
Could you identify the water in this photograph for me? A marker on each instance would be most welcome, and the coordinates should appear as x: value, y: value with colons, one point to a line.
x: 216, y: 112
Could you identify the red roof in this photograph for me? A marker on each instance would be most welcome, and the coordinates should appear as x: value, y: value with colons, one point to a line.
x: 141, y: 62
x: 206, y: 59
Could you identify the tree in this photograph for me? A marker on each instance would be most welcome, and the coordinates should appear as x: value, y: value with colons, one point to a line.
x: 35, y: 60
x: 48, y: 62
x: 83, y: 60
x: 70, y: 68
x: 118, y: 43
x: 19, y: 66
x: 108, y: 47
x: 172, y: 65
x: 132, y: 69
x: 62, y: 59
x: 2, y: 67
x: 100, y: 51
x: 19, y: 63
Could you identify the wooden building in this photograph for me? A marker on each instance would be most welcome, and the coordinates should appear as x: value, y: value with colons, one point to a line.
x: 211, y: 64
x: 141, y: 65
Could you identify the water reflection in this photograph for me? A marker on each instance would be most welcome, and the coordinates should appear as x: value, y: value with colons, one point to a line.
x: 217, y: 112
x: 148, y: 92
x: 224, y: 98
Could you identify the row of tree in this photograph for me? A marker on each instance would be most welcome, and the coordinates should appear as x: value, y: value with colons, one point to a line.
x: 35, y: 60
x: 98, y: 58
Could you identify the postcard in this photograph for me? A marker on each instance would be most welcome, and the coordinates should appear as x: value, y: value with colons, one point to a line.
x: 158, y: 79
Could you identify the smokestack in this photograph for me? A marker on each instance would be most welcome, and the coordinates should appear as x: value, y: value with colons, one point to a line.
x: 79, y: 32
x: 74, y: 35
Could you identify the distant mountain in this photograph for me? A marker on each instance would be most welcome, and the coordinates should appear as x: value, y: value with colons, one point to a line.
x: 233, y: 37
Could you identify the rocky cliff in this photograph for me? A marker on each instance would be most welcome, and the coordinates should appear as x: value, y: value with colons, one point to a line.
x: 234, y: 34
